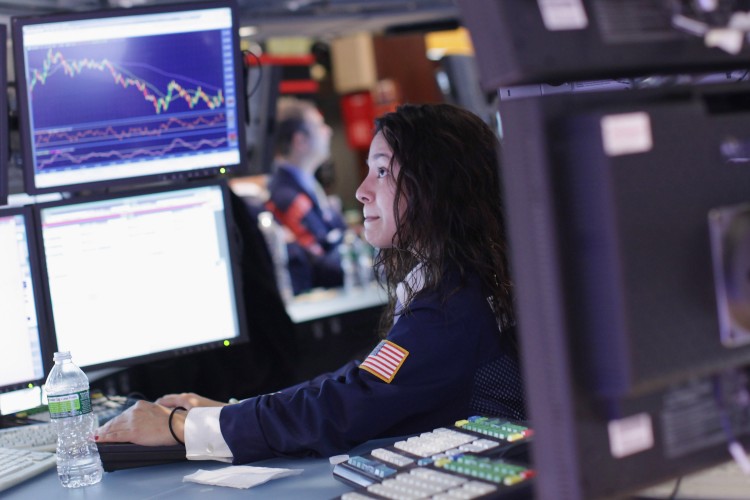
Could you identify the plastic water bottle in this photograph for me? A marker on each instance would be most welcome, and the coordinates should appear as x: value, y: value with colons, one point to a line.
x: 348, y: 263
x: 69, y: 402
x: 356, y: 261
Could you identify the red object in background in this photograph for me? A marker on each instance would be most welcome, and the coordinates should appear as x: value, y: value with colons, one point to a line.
x: 298, y: 87
x: 358, y: 112
x: 295, y: 73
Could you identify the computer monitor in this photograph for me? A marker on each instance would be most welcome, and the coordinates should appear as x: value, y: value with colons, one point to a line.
x: 523, y: 42
x: 457, y: 76
x: 129, y: 96
x: 138, y: 277
x: 4, y: 138
x: 629, y: 228
x: 24, y: 352
x: 263, y: 92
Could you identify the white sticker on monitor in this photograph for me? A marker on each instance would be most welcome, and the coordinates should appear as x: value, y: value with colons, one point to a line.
x: 627, y: 133
x: 630, y: 435
x: 561, y: 15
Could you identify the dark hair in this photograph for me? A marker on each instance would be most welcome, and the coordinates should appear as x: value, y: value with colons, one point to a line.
x: 448, y: 177
x: 290, y: 119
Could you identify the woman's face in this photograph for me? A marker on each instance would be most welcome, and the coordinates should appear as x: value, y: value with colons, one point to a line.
x: 377, y: 193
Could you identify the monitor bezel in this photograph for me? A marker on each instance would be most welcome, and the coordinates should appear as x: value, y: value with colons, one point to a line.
x: 35, y: 265
x: 234, y: 249
x: 29, y: 170
x: 4, y: 125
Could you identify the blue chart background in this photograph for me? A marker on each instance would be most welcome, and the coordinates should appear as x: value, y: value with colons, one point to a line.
x: 92, y: 100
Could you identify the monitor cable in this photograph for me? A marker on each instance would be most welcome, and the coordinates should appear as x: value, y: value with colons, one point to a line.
x: 736, y: 450
x: 246, y: 55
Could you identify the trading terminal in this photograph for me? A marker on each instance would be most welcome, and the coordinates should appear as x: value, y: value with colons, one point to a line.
x: 624, y: 163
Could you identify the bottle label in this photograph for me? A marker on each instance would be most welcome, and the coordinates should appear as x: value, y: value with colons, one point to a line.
x: 69, y: 405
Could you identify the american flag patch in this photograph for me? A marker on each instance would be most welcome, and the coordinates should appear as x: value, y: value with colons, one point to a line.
x: 385, y: 360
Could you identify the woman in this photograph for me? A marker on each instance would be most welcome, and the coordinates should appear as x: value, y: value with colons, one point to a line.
x: 432, y: 206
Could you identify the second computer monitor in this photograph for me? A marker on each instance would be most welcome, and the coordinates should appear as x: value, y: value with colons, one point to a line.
x: 629, y: 227
x: 22, y: 328
x: 142, y: 276
x: 129, y: 96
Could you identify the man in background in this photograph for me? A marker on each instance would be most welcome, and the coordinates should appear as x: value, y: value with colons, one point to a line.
x: 298, y: 201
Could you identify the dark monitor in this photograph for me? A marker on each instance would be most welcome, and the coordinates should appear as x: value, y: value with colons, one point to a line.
x: 4, y: 138
x: 129, y: 96
x: 23, y: 350
x: 263, y: 92
x: 143, y: 276
x: 522, y: 41
x: 629, y: 226
x: 457, y: 76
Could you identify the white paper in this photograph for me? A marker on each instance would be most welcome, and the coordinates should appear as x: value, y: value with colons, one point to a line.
x: 239, y: 476
x: 563, y: 15
x: 627, y: 133
x: 630, y: 435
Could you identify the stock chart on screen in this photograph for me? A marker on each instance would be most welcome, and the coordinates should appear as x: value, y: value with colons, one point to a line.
x: 129, y: 96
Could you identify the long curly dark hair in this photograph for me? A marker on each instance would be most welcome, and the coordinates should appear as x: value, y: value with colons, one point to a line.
x: 450, y: 186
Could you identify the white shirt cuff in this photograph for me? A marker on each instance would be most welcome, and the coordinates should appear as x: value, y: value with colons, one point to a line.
x: 203, y: 439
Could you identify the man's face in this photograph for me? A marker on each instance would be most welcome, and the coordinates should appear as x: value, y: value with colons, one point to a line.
x: 318, y: 136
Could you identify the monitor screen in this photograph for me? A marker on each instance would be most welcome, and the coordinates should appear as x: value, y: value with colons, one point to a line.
x: 129, y: 96
x: 22, y: 349
x: 629, y: 227
x: 142, y: 276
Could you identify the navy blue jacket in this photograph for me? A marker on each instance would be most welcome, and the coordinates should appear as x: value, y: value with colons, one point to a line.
x: 314, y: 260
x: 458, y: 365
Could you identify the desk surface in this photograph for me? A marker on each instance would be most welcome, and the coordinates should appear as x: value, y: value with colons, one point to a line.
x: 316, y: 482
x: 325, y: 303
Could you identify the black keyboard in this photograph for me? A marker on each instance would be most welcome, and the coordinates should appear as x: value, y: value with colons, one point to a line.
x: 117, y: 456
x: 108, y: 407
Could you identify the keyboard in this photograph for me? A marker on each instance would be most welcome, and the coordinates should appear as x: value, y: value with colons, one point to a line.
x: 479, y: 457
x: 34, y: 437
x: 108, y: 407
x: 17, y: 466
x: 42, y: 436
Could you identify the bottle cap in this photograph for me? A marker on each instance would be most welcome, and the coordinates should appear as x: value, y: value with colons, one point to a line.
x: 59, y: 356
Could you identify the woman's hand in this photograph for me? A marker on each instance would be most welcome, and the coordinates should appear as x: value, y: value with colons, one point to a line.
x: 187, y: 400
x: 144, y: 423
